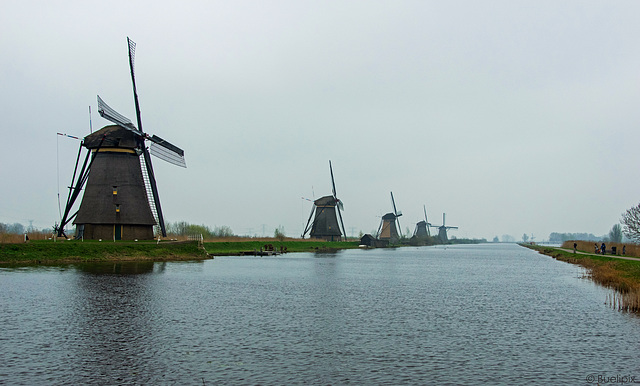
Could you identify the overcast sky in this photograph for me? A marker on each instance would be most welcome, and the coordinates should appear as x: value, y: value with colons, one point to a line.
x: 511, y: 117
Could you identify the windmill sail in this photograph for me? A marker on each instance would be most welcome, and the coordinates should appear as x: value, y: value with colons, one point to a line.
x: 110, y: 114
x: 167, y: 151
x: 397, y: 214
x: 338, y: 201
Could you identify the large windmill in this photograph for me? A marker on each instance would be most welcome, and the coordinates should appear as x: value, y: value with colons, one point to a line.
x: 422, y: 227
x: 388, y: 229
x: 325, y: 223
x: 121, y: 198
x: 442, y: 230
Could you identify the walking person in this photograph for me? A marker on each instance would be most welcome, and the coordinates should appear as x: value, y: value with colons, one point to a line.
x: 604, y: 248
x: 575, y: 245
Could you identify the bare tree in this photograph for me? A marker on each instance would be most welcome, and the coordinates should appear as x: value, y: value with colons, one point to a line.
x: 615, y: 234
x: 631, y: 221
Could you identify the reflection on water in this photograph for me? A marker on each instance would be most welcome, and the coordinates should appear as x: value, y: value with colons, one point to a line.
x: 128, y: 268
x: 460, y: 315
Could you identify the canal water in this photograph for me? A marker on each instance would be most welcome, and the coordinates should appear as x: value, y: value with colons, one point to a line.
x: 494, y: 313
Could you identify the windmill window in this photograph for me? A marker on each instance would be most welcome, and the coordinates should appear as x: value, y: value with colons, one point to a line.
x: 117, y: 208
x: 115, y: 190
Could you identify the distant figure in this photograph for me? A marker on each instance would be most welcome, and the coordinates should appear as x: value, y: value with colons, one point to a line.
x: 575, y: 246
x: 624, y: 249
x: 26, y: 238
x: 604, y: 248
x: 596, y: 248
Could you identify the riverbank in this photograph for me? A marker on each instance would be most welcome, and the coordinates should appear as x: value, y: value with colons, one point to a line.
x: 621, y: 275
x: 61, y: 252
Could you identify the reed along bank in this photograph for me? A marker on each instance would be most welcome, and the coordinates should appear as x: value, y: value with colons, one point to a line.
x: 622, y: 276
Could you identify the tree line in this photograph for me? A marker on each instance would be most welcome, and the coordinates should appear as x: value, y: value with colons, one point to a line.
x: 183, y: 228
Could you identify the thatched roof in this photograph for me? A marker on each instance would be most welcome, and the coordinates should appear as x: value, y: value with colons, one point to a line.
x: 325, y: 201
x: 116, y: 136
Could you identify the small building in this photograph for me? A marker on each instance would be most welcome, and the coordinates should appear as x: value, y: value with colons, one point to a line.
x: 370, y: 241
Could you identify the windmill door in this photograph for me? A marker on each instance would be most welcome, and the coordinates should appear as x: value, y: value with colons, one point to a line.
x: 118, y: 232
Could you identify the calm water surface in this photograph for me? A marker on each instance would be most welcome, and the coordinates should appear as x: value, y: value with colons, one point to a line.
x: 498, y: 314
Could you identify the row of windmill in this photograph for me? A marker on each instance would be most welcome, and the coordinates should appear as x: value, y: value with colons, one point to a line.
x: 323, y: 221
x: 121, y: 199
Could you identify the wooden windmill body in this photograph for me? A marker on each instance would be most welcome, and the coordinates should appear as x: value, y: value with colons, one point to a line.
x: 325, y: 225
x: 422, y: 227
x: 115, y: 203
x: 389, y: 228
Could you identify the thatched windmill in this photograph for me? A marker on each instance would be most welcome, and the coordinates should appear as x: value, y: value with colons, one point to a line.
x: 325, y: 222
x: 388, y: 229
x: 121, y: 198
x: 422, y: 227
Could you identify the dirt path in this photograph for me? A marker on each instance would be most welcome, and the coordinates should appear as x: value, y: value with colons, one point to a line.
x: 593, y: 254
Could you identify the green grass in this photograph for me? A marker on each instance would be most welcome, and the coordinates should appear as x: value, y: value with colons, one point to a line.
x: 49, y: 252
x: 40, y: 252
x: 235, y: 248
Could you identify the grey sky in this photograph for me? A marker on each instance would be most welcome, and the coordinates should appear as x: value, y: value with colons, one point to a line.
x: 511, y: 117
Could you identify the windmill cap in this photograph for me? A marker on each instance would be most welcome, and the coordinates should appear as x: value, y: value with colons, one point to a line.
x: 116, y: 136
x: 325, y: 201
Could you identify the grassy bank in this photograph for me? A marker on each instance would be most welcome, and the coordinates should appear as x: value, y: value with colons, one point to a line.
x: 221, y: 248
x: 49, y: 252
x: 623, y: 276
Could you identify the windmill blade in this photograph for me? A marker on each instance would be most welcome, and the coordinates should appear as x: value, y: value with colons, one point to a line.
x: 394, y: 205
x: 110, y: 114
x: 344, y: 231
x: 132, y: 55
x: 307, y: 228
x: 154, y: 190
x: 167, y: 151
x: 426, y: 220
x: 339, y: 204
x: 147, y: 158
x: 397, y: 214
x: 379, y: 228
x: 333, y: 184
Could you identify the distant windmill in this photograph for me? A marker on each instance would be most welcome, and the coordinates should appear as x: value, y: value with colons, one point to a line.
x: 121, y: 198
x: 388, y: 229
x: 442, y: 230
x: 422, y: 227
x: 325, y: 223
